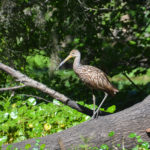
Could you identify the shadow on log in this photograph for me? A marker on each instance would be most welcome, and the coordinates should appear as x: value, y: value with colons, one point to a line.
x: 95, y: 132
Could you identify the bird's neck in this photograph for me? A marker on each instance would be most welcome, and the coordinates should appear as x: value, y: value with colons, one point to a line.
x: 76, y: 63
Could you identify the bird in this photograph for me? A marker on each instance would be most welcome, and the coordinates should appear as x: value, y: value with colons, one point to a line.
x: 93, y: 77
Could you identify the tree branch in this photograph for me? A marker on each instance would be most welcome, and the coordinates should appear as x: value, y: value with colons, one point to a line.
x: 132, y: 81
x: 12, y: 88
x: 37, y: 85
x: 37, y: 97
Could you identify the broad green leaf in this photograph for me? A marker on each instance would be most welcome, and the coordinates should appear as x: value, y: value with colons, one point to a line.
x: 136, y: 148
x: 145, y: 145
x: 112, y: 133
x: 27, y: 146
x: 132, y: 42
x: 42, y: 146
x: 139, y: 140
x: 132, y: 135
x: 104, y: 147
x: 76, y: 40
x: 111, y: 109
x: 31, y: 101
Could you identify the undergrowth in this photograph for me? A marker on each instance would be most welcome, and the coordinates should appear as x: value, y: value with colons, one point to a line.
x: 24, y: 119
x: 27, y: 119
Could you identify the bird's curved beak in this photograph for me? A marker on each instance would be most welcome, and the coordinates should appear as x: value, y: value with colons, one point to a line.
x: 66, y: 59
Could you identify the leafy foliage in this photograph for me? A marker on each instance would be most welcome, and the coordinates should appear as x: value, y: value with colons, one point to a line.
x: 112, y: 34
x: 20, y: 120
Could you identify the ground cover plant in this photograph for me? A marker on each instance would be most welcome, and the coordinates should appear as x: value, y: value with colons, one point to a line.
x: 20, y: 120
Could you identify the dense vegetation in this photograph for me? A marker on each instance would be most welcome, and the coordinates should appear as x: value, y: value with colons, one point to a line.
x: 112, y: 35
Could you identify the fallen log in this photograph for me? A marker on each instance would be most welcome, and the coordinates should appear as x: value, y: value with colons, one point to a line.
x: 135, y: 119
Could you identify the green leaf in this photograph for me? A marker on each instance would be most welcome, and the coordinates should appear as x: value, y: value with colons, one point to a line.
x: 37, y: 140
x: 9, y: 147
x: 56, y: 102
x: 145, y: 145
x: 136, y: 148
x: 132, y: 42
x: 76, y: 40
x: 67, y: 84
x: 14, y: 114
x: 103, y: 22
x: 42, y: 147
x: 111, y: 109
x: 1, y: 49
x: 112, y: 133
x: 27, y: 146
x: 3, y: 139
x: 104, y: 146
x: 138, y: 137
x: 48, y: 15
x: 31, y: 101
x: 81, y: 45
x: 132, y: 135
x: 139, y: 140
x: 148, y: 29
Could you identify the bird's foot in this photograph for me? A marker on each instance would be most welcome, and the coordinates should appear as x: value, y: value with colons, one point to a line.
x: 95, y: 115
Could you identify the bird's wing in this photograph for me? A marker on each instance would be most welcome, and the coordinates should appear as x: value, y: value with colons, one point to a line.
x: 94, y: 77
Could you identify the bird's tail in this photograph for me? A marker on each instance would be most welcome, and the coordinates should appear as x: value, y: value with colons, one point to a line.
x: 116, y: 90
x: 113, y: 91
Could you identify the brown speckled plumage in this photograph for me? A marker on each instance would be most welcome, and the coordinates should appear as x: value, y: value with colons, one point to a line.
x: 95, y: 78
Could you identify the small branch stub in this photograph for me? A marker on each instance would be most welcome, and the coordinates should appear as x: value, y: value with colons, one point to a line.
x: 148, y: 131
x: 12, y: 88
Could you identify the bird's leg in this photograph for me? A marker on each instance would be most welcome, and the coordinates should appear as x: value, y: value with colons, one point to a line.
x: 96, y: 113
x: 94, y: 100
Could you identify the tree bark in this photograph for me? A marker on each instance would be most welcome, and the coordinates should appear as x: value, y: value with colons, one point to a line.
x: 95, y: 132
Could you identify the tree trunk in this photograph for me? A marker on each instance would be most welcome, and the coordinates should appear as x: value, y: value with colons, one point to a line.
x: 95, y: 132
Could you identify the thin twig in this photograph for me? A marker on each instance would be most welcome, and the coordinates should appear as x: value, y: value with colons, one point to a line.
x: 61, y: 144
x: 37, y: 97
x: 131, y: 81
x: 123, y: 147
x: 12, y: 88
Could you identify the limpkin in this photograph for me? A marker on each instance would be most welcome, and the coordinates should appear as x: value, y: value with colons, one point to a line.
x: 93, y: 77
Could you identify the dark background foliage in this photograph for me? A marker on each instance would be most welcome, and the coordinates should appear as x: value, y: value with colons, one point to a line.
x: 112, y: 35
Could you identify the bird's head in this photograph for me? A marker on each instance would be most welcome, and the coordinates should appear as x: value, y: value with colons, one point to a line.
x: 73, y: 53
